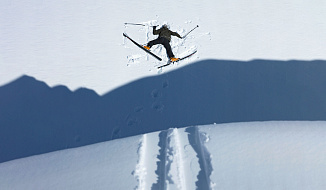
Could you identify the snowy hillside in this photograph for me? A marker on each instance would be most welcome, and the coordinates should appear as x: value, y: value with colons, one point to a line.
x: 69, y: 80
x: 80, y: 43
x: 44, y: 119
x: 258, y: 155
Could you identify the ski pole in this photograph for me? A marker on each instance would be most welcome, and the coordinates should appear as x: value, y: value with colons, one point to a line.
x: 137, y: 24
x: 190, y: 31
x: 134, y: 24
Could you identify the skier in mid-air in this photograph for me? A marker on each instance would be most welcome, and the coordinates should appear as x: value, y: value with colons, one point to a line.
x: 164, y: 38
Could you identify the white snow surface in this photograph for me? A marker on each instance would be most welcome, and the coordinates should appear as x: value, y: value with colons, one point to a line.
x: 80, y: 43
x: 252, y: 155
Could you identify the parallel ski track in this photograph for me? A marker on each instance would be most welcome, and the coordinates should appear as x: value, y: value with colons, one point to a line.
x: 171, y: 154
x: 162, y: 165
x: 205, y: 157
x: 197, y: 141
x: 140, y: 171
x: 178, y: 155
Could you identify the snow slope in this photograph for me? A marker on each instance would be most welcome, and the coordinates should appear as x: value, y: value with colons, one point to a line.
x: 43, y: 119
x: 74, y: 46
x: 256, y: 155
x: 80, y: 43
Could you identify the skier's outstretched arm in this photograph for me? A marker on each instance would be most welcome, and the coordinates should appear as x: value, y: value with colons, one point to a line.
x: 176, y: 34
x: 156, y: 32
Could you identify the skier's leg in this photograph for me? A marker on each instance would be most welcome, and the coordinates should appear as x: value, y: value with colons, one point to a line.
x: 168, y: 48
x: 154, y: 42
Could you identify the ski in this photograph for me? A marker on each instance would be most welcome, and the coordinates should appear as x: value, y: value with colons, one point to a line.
x: 141, y: 47
x: 169, y: 63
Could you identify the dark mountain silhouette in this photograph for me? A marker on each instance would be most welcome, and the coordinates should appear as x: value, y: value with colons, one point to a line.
x: 35, y: 118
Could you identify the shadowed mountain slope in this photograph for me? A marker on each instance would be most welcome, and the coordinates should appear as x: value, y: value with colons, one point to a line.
x: 35, y: 118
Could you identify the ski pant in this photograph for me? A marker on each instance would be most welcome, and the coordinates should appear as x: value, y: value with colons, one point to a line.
x: 165, y: 42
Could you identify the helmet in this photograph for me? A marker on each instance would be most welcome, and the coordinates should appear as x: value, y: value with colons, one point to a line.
x: 166, y: 26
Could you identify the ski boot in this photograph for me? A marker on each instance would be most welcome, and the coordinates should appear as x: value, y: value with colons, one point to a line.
x: 146, y: 47
x: 173, y: 59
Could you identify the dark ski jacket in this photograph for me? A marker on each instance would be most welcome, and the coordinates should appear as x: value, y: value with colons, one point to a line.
x: 165, y: 33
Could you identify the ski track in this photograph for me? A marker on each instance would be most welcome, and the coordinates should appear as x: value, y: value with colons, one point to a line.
x: 140, y: 171
x: 176, y: 172
x: 179, y: 160
x: 161, y: 163
x: 197, y: 140
x: 168, y: 166
x: 169, y: 160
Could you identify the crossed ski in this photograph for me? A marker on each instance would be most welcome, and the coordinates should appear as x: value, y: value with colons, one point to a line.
x: 141, y: 47
x: 157, y: 57
x: 169, y: 63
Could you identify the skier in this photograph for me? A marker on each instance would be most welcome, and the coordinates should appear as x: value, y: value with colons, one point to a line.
x: 164, y: 38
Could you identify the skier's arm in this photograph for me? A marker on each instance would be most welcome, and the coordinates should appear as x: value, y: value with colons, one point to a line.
x: 156, y: 32
x: 176, y: 34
